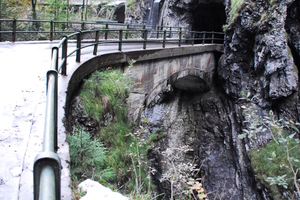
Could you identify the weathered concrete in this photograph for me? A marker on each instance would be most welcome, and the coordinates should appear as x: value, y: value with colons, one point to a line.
x: 151, y: 77
x: 151, y: 71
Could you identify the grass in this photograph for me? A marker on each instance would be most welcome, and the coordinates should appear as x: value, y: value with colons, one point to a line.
x: 105, y: 92
x: 125, y: 158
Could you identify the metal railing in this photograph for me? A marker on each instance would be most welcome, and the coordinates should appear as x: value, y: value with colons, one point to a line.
x: 12, y: 28
x: 47, y: 167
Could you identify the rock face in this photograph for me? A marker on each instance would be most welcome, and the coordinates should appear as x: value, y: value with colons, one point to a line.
x: 257, y: 56
x: 261, y: 56
x: 208, y: 126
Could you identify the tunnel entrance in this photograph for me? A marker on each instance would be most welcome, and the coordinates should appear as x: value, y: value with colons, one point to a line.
x: 208, y: 17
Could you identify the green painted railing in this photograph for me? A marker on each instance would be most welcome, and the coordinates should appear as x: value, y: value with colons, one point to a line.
x: 13, y: 29
x: 47, y: 167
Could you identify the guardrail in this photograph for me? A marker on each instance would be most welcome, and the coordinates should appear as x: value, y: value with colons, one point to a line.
x: 47, y: 163
x: 17, y: 27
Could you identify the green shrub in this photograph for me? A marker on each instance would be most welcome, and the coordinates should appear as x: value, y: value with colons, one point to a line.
x: 88, y: 158
x: 271, y: 161
x: 126, y: 153
x: 277, y: 163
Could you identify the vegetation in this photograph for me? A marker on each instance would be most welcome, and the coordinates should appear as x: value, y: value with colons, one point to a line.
x: 105, y: 92
x: 276, y: 164
x: 124, y: 165
x: 182, y: 175
x: 88, y: 159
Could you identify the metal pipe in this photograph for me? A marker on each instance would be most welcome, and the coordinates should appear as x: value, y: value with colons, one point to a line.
x: 51, y: 30
x: 96, y: 43
x: 78, y: 46
x: 180, y: 35
x: 120, y: 39
x: 64, y: 54
x: 14, y: 30
x: 50, y: 124
x: 47, y: 184
x: 145, y: 38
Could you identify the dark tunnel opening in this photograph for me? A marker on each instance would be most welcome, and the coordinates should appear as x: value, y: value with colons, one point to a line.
x: 208, y: 17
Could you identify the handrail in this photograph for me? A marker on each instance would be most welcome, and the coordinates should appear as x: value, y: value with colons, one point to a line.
x: 47, y: 163
x: 14, y: 28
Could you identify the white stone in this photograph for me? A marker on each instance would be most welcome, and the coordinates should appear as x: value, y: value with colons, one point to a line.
x: 97, y: 191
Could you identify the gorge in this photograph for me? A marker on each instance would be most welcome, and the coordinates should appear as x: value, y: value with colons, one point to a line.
x: 201, y: 129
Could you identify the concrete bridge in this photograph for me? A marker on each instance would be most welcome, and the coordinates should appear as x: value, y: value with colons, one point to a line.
x: 187, y: 67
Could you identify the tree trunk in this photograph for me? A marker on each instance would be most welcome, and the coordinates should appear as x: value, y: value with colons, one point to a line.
x: 86, y: 7
x: 35, y: 25
x: 67, y: 13
x: 33, y: 5
x: 82, y: 9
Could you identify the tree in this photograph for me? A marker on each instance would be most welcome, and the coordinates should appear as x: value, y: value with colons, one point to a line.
x: 33, y: 6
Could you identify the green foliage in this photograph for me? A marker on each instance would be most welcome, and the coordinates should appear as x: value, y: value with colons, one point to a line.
x: 127, y: 156
x: 106, y: 92
x: 272, y: 167
x: 57, y: 9
x: 103, y: 92
x: 277, y: 163
x: 88, y: 158
x: 13, y: 8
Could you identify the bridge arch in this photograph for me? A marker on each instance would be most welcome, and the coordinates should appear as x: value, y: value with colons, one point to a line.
x: 153, y: 71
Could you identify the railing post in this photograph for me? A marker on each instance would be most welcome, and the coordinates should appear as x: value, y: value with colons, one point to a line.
x: 143, y: 27
x: 96, y: 43
x: 64, y: 56
x: 106, y: 32
x: 203, y: 39
x: 193, y: 38
x: 145, y: 38
x: 180, y: 35
x: 212, y: 37
x: 14, y: 30
x: 164, y: 40
x: 51, y: 30
x: 120, y: 39
x: 157, y: 34
x: 126, y: 35
x: 170, y: 33
x: 78, y: 47
x: 82, y: 26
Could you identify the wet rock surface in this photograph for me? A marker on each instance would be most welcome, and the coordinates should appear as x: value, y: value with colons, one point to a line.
x: 205, y: 123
